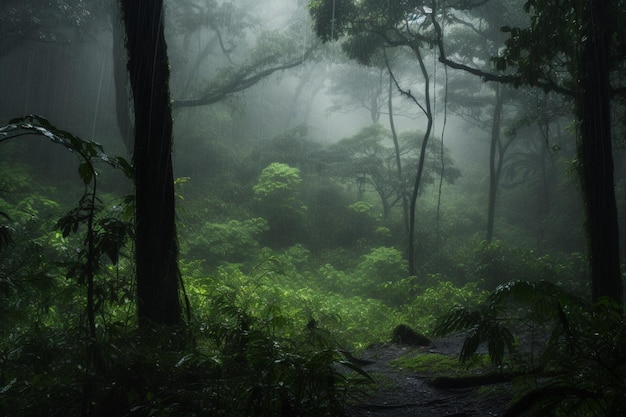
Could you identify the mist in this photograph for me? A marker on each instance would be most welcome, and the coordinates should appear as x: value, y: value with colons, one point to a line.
x: 341, y: 170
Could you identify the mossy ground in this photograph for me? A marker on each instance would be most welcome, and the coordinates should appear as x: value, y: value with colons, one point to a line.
x: 434, y: 364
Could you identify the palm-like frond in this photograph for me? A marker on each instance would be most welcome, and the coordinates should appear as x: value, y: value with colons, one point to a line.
x: 484, y: 324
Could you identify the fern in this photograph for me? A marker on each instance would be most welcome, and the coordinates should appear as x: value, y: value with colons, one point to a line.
x: 583, y: 361
x: 485, y: 324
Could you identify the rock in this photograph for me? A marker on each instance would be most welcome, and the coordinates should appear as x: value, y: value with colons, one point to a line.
x: 404, y: 335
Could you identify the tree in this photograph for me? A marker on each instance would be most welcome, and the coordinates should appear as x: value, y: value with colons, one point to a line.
x: 369, y: 161
x: 360, y: 87
x: 156, y: 246
x: 537, y: 160
x: 59, y: 22
x: 475, y: 38
x: 273, y: 51
x: 277, y: 195
x: 578, y: 56
x: 366, y: 161
x: 370, y: 27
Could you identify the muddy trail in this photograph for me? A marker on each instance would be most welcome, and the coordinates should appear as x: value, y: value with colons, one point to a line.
x: 401, y: 392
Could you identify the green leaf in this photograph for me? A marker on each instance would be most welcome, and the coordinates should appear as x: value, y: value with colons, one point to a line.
x: 5, y: 236
x: 125, y: 166
x: 85, y: 170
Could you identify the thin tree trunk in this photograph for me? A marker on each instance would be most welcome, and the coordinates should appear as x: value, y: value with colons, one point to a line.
x: 396, y: 146
x: 420, y: 166
x: 595, y: 154
x: 156, y: 247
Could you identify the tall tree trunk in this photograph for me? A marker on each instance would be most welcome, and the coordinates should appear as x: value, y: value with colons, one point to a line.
x: 420, y: 166
x: 595, y: 154
x: 156, y: 247
x: 120, y: 78
x: 493, y: 168
x: 396, y: 147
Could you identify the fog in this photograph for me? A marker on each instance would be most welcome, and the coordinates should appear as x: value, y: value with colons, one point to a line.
x: 71, y: 82
x: 343, y: 172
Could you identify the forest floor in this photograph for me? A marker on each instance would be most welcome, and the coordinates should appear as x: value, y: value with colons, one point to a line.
x: 400, y: 392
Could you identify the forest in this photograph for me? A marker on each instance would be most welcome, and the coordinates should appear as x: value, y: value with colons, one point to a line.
x: 216, y: 207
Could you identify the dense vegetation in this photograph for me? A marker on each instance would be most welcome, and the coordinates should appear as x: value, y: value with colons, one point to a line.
x: 297, y: 248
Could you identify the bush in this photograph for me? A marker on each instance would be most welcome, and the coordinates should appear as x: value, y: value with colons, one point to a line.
x: 379, y: 269
x: 232, y: 241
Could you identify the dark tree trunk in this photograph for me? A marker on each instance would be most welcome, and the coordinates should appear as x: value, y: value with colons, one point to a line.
x: 493, y: 167
x: 120, y: 79
x: 595, y: 154
x: 156, y: 248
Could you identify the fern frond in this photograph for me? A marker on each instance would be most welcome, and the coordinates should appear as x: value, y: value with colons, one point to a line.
x: 457, y: 319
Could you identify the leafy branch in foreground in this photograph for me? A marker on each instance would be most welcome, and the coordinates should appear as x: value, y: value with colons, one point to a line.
x: 489, y: 324
x: 87, y: 150
x: 582, y: 364
x: 103, y: 236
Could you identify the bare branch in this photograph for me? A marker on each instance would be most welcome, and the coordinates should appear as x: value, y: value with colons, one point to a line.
x: 244, y: 81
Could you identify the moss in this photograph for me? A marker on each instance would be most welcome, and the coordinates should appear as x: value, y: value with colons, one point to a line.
x: 439, y: 364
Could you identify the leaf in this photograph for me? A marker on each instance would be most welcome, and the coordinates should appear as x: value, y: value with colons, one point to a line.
x: 85, y: 170
x: 70, y: 222
x: 356, y: 368
x: 470, y: 345
x: 111, y: 238
x: 40, y: 126
x: 5, y: 236
x: 458, y: 319
x: 125, y: 166
x: 8, y: 386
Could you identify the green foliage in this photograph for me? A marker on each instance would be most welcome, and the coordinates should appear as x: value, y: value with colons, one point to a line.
x: 270, y: 361
x: 332, y: 19
x: 586, y: 354
x: 363, y: 208
x: 40, y: 371
x: 581, y: 364
x: 231, y: 241
x: 583, y: 357
x: 370, y: 25
x: 434, y: 364
x: 528, y: 52
x: 435, y: 297
x: 486, y: 324
x: 294, y: 148
x: 87, y: 150
x: 378, y: 268
x: 329, y: 218
x: 279, y: 202
x: 277, y: 181
x: 496, y: 263
x: 368, y: 161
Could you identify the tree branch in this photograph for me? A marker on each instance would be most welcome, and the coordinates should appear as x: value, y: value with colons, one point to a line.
x: 240, y: 83
x: 402, y: 92
x: 514, y: 79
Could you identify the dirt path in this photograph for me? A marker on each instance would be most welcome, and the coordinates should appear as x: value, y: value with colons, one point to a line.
x: 402, y: 393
